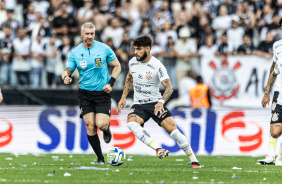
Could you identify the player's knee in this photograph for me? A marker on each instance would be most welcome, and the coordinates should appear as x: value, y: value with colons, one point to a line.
x: 103, y: 127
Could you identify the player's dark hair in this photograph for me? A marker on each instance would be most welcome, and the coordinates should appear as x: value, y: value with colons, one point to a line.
x: 142, y: 41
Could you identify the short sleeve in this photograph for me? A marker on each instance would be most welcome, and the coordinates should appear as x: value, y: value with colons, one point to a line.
x: 110, y: 54
x: 71, y: 64
x: 162, y: 73
x: 278, y: 67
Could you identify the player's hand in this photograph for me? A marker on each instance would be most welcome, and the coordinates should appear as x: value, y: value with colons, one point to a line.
x: 265, y: 100
x: 107, y: 88
x: 67, y: 80
x: 121, y: 104
x: 159, y: 107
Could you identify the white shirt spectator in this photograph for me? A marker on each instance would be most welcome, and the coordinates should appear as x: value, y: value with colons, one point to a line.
x: 41, y: 6
x: 185, y: 85
x: 86, y: 14
x: 21, y: 47
x: 220, y: 24
x: 162, y: 37
x: 235, y: 37
x: 115, y: 34
x: 206, y: 51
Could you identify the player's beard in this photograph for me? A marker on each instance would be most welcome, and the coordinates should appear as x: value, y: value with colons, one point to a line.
x: 142, y: 58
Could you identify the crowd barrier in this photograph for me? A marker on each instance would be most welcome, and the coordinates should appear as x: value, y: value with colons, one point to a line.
x: 218, y: 131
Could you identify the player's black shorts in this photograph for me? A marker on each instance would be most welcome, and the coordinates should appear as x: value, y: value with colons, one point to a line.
x: 276, y: 110
x: 94, y: 101
x: 146, y: 111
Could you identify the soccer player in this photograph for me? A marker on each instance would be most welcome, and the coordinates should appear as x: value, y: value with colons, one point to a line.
x: 92, y: 58
x: 276, y: 120
x: 274, y: 125
x: 1, y: 96
x: 145, y: 74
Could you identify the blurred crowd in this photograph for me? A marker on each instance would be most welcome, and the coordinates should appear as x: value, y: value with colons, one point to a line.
x: 36, y: 36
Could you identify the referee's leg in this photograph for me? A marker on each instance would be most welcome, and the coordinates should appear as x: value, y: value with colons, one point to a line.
x: 103, y: 123
x: 92, y: 136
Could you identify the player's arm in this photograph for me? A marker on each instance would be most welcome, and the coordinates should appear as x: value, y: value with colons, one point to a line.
x: 115, y: 73
x: 270, y: 82
x: 127, y: 87
x: 166, y: 95
x: 1, y: 96
x: 66, y: 75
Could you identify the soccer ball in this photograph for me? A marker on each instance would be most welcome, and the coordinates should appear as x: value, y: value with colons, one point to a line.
x: 116, y: 156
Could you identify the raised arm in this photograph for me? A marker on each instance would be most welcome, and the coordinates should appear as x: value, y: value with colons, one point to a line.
x: 127, y: 87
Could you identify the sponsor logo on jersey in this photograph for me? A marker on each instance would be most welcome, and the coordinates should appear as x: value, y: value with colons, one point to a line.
x: 275, y: 116
x: 223, y: 84
x: 148, y: 75
x: 98, y: 62
x: 83, y: 64
x: 140, y: 76
x: 273, y: 106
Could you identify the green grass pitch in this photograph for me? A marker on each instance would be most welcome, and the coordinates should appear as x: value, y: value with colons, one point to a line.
x: 136, y: 169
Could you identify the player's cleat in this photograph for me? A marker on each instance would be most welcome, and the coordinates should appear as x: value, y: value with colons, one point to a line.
x: 196, y: 165
x: 100, y: 161
x: 161, y: 153
x: 107, y: 135
x: 278, y: 162
x: 268, y: 160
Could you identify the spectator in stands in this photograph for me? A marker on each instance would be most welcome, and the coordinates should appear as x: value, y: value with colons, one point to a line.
x: 157, y: 22
x: 6, y: 56
x: 42, y: 28
x: 165, y: 33
x: 265, y: 48
x: 224, y: 48
x: 105, y: 8
x: 185, y: 47
x: 30, y: 17
x: 165, y: 7
x: 247, y: 17
x: 113, y: 31
x: 274, y: 28
x: 247, y: 47
x: 36, y: 62
x: 133, y: 17
x: 41, y: 6
x: 231, y: 6
x: 12, y: 23
x: 85, y: 13
x: 169, y: 60
x: 222, y: 22
x: 266, y: 17
x: 200, y: 32
x: 235, y: 33
x: 185, y: 84
x: 50, y: 47
x: 145, y: 28
x: 3, y: 12
x: 64, y: 22
x: 200, y: 94
x: 183, y: 15
x: 21, y: 60
x: 209, y: 49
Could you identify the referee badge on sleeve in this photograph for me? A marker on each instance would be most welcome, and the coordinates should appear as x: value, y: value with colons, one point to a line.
x: 83, y: 64
x: 98, y: 62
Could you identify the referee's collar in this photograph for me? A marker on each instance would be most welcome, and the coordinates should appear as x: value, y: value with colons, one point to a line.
x: 89, y: 47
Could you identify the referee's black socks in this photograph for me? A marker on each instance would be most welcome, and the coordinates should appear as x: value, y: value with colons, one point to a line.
x: 95, y: 144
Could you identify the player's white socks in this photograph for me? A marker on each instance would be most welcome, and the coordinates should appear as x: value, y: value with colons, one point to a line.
x: 272, y: 145
x: 279, y: 157
x: 142, y: 135
x: 183, y: 144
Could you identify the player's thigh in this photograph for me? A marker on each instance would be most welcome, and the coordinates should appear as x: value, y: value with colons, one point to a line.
x: 135, y: 118
x: 168, y: 124
x: 276, y: 129
x: 102, y: 121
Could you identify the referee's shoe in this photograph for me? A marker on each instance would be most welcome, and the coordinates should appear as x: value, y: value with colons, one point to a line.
x: 107, y: 135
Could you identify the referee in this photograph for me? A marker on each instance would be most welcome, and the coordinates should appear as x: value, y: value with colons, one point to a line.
x: 91, y: 58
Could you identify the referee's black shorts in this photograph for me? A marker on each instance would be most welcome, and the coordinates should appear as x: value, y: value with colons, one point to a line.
x: 94, y: 101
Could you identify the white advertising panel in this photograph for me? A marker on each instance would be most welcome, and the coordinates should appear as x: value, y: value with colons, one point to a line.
x: 237, y: 81
x: 219, y: 131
